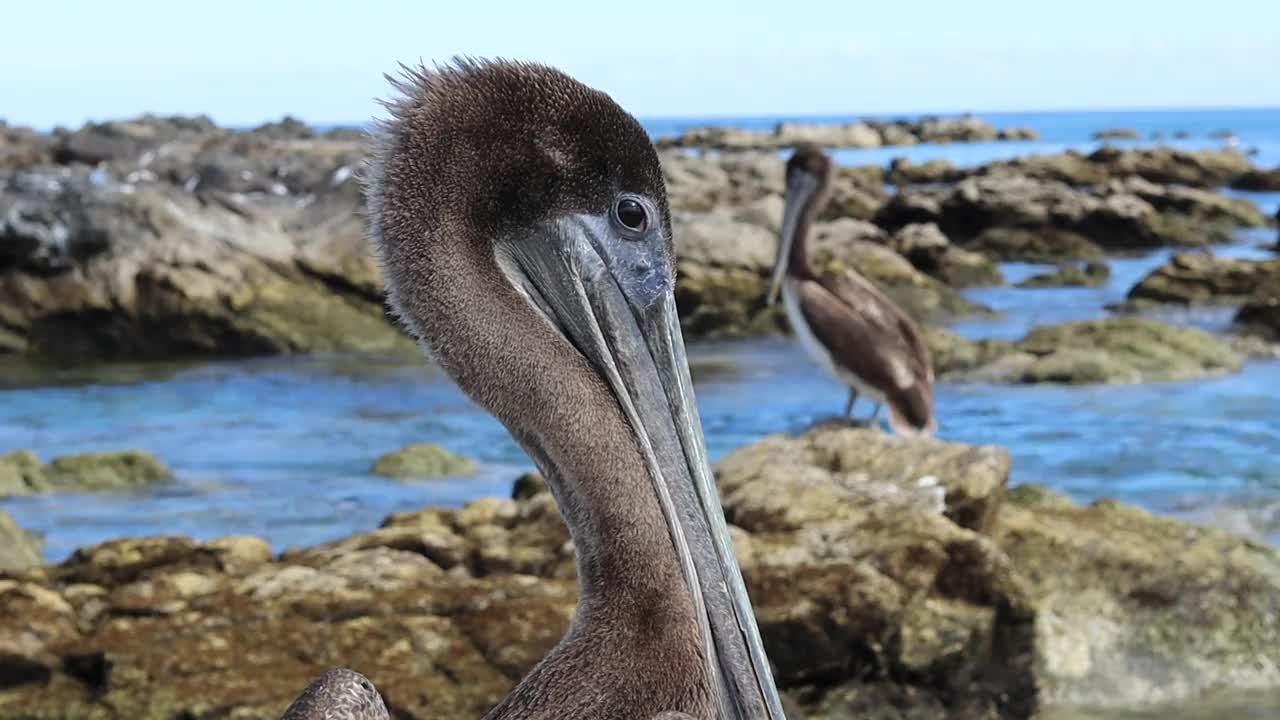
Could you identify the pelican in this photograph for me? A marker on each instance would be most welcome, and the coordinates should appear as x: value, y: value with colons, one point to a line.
x: 338, y: 694
x: 522, y: 226
x: 850, y: 328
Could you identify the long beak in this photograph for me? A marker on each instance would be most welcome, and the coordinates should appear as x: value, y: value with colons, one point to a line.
x: 800, y: 191
x: 613, y: 299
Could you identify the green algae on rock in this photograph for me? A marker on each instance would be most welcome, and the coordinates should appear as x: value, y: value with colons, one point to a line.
x: 422, y: 460
x: 21, y: 472
x: 1190, y: 278
x: 1091, y: 274
x: 1111, y: 350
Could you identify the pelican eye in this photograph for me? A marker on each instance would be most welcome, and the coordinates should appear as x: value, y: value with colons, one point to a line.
x: 631, y: 214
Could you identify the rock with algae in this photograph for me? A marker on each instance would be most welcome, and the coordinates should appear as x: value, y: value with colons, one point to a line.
x: 21, y: 472
x: 422, y: 460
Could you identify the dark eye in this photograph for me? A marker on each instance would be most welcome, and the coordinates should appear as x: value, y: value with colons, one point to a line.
x: 632, y: 214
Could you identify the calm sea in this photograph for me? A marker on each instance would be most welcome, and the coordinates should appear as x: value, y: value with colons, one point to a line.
x: 281, y: 447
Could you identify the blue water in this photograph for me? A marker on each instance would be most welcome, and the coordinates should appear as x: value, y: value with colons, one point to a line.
x: 1255, y: 130
x: 281, y: 447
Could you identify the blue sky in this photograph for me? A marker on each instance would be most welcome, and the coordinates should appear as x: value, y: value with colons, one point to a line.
x: 245, y: 62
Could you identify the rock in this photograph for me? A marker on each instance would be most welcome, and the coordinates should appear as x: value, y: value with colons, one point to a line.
x: 21, y: 146
x: 1114, y: 217
x: 1091, y: 274
x: 961, y: 128
x: 1019, y: 133
x: 954, y: 355
x: 1203, y: 168
x: 422, y: 460
x: 1116, y: 134
x: 1260, y: 316
x: 19, y: 549
x: 930, y: 252
x: 173, y: 274
x: 1258, y: 180
x: 1185, y: 204
x: 1112, y: 350
x: 793, y: 483
x: 107, y: 471
x: 1039, y: 246
x: 938, y: 170
x: 118, y: 140
x: 21, y: 472
x: 1190, y: 278
x: 1115, y: 588
x: 856, y: 134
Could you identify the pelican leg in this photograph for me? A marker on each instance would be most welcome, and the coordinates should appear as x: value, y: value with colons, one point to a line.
x: 874, y: 420
x: 848, y: 407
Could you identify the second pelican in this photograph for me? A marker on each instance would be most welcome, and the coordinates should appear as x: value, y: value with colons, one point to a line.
x: 852, y: 329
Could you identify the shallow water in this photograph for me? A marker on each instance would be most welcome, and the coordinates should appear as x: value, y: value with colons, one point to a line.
x: 281, y: 447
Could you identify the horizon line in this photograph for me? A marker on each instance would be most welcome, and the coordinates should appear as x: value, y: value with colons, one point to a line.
x: 728, y: 115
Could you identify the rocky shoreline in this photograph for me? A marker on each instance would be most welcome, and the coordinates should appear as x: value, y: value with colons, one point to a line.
x: 856, y: 134
x: 161, y: 238
x: 887, y: 573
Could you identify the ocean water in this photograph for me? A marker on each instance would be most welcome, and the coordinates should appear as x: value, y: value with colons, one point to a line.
x: 1255, y: 130
x: 281, y: 447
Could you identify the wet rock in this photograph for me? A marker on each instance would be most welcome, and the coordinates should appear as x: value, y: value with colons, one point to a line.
x: 954, y: 355
x: 1116, y: 589
x: 903, y: 171
x: 185, y: 275
x: 107, y: 470
x: 1090, y: 274
x: 857, y: 134
x: 1114, y: 217
x: 1260, y: 316
x: 1019, y: 133
x: 930, y: 252
x: 1193, y: 205
x: 422, y: 460
x: 1190, y: 278
x: 1258, y: 180
x: 960, y: 128
x: 1112, y: 350
x: 1203, y: 168
x: 1116, y: 134
x: 19, y: 549
x: 1040, y: 246
x: 21, y: 472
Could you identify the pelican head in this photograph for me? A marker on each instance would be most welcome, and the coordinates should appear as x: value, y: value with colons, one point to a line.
x: 523, y: 229
x: 808, y: 179
x: 338, y: 694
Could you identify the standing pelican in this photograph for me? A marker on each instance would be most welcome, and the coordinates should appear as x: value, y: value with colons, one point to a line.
x: 523, y: 230
x: 854, y: 331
